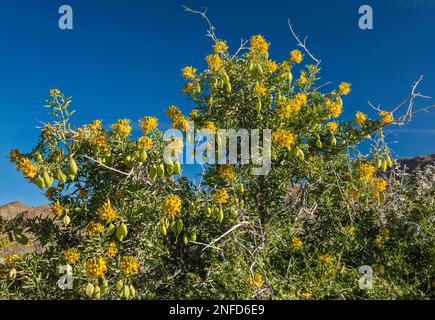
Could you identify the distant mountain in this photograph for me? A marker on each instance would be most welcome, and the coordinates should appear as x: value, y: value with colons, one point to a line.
x: 417, y: 163
x: 13, y: 209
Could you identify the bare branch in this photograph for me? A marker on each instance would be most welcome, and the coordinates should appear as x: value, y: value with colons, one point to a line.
x: 107, y: 167
x: 226, y: 233
x: 302, y: 44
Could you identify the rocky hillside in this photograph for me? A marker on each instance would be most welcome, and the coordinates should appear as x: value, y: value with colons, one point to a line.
x: 417, y: 163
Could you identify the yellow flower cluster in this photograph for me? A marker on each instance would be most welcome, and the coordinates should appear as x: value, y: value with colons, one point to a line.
x: 386, y: 117
x: 96, y: 267
x: 99, y: 141
x: 214, y: 62
x: 220, y: 47
x: 27, y: 168
x: 172, y: 206
x: 297, y: 243
x: 284, y: 138
x: 111, y: 250
x: 94, y: 228
x: 257, y: 281
x: 360, y: 118
x: 129, y: 265
x: 367, y: 171
x: 325, y: 259
x: 296, y: 56
x: 258, y: 45
x: 106, y: 212
x: 122, y: 128
x: 14, y: 155
x: 286, y: 107
x: 226, y: 173
x: 57, y: 209
x: 209, y: 125
x: 54, y: 93
x: 145, y: 143
x: 379, y: 269
x: 180, y: 123
x: 260, y: 89
x: 380, y: 185
x: 71, y: 256
x: 148, y: 124
x: 189, y: 72
x: 173, y: 112
x: 221, y: 196
x: 175, y: 145
x: 351, y: 230
x: 344, y: 88
x: 332, y: 126
x: 334, y: 108
x: 272, y: 66
x: 11, y: 259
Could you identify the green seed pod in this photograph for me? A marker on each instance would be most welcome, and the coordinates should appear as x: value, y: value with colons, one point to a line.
x: 20, y: 238
x: 40, y: 182
x: 97, y: 292
x: 290, y: 77
x: 221, y: 215
x: 119, y: 285
x: 179, y: 225
x: 177, y: 167
x: 132, y: 291
x: 121, y: 231
x: 72, y: 167
x: 384, y: 165
x: 207, y: 212
x: 126, y: 291
x: 104, y: 288
x: 61, y: 176
x: 379, y: 163
x: 333, y: 141
x: 389, y: 161
x: 66, y: 220
x: 258, y: 106
x: 241, y: 189
x: 163, y: 229
x: 300, y: 155
x: 110, y: 230
x: 191, y: 208
x: 143, y: 156
x: 319, y: 144
x: 173, y: 226
x: 89, y: 290
x: 38, y: 157
x: 290, y: 154
x: 185, y: 239
x: 170, y: 168
x: 259, y: 69
x: 12, y: 273
x: 71, y: 177
x: 153, y: 173
x: 161, y: 170
x: 228, y: 87
x: 193, y: 236
x: 48, y: 180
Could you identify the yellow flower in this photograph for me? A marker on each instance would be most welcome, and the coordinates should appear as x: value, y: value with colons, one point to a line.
x: 14, y: 156
x: 111, y: 250
x: 367, y: 171
x: 226, y: 173
x: 175, y: 145
x: 332, y: 126
x: 334, y: 108
x: 284, y: 138
x: 220, y: 47
x: 180, y: 123
x: 385, y: 233
x: 122, y: 128
x: 296, y: 56
x: 221, y: 196
x: 351, y: 230
x: 303, y: 80
x: 11, y: 259
x: 55, y: 93
x: 27, y: 167
x: 148, y: 124
x: 344, y: 88
x: 360, y: 118
x: 378, y: 242
x: 272, y: 66
x: 172, y: 206
x: 96, y: 267
x: 297, y: 243
x: 214, y: 62
x: 189, y: 88
x: 193, y: 114
x: 95, y: 126
x: 145, y: 143
x: 173, y: 112
x: 57, y: 208
x: 100, y: 141
x: 188, y: 72
x: 325, y: 259
x: 94, y: 228
x: 258, y: 45
x: 209, y: 125
x: 71, y: 256
x: 106, y: 212
x: 129, y: 265
x: 386, y: 117
x: 260, y: 89
x: 379, y: 269
x: 257, y: 281
x: 380, y: 185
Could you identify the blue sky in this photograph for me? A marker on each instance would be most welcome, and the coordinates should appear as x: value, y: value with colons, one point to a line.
x: 123, y: 60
